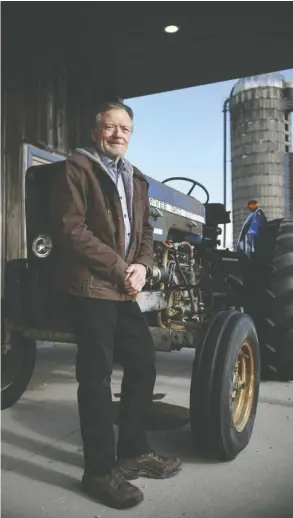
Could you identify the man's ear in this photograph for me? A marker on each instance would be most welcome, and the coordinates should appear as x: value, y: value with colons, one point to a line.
x: 93, y: 134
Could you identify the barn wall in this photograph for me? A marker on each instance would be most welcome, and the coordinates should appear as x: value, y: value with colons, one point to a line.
x: 46, y: 103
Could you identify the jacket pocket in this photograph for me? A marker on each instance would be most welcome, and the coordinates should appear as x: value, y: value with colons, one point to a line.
x: 88, y: 283
x: 100, y: 282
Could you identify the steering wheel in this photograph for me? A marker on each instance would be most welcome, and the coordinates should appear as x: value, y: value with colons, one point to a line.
x: 194, y: 182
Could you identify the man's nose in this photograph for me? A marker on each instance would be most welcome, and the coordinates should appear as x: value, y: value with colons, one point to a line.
x: 117, y: 132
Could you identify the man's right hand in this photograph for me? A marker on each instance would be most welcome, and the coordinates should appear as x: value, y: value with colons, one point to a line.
x: 135, y: 279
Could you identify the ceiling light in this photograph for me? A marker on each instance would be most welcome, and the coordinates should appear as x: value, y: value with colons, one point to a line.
x: 171, y: 29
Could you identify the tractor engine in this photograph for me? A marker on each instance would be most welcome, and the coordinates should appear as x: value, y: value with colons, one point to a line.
x: 177, y: 273
x: 176, y: 284
x: 191, y: 278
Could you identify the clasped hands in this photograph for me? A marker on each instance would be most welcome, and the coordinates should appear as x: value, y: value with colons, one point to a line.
x: 135, y: 279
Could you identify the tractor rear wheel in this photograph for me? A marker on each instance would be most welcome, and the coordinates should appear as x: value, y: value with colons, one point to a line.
x: 225, y: 386
x: 272, y: 276
x: 17, y: 367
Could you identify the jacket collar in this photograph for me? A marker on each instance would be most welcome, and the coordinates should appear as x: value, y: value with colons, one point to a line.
x: 93, y: 155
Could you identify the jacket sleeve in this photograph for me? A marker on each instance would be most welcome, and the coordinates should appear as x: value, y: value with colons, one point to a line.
x: 146, y: 251
x: 71, y: 231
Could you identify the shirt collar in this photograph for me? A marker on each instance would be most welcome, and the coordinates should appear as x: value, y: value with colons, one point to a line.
x: 97, y: 156
x: 107, y: 161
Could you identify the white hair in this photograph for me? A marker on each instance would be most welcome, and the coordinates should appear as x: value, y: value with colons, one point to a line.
x: 112, y: 105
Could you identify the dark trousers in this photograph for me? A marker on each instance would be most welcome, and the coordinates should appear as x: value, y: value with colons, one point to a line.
x: 100, y: 326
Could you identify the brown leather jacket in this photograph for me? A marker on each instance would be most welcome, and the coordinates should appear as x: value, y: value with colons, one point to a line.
x: 88, y: 230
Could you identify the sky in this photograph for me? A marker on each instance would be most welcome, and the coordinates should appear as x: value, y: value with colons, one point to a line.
x: 180, y: 133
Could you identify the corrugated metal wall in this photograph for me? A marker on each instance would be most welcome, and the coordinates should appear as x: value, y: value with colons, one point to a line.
x: 257, y: 152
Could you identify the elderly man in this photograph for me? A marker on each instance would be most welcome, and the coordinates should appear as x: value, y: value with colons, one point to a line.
x: 106, y: 249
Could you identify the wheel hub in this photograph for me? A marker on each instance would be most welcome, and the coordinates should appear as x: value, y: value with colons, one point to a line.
x: 243, y: 387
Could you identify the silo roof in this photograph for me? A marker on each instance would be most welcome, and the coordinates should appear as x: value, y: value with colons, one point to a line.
x: 274, y: 79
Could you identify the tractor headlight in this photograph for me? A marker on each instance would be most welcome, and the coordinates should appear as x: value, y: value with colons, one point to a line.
x: 42, y: 246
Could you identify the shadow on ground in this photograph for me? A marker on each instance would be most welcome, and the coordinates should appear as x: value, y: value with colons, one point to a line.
x: 37, y: 472
x: 168, y: 427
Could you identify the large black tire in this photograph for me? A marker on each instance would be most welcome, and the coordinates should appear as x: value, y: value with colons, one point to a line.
x: 17, y: 367
x: 274, y: 301
x: 220, y: 432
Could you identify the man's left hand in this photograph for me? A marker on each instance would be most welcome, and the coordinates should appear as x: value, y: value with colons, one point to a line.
x: 135, y: 279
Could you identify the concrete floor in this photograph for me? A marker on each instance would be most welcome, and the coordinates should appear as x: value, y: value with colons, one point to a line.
x: 42, y: 457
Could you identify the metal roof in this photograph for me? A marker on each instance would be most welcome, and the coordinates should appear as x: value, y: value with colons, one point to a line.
x: 273, y: 79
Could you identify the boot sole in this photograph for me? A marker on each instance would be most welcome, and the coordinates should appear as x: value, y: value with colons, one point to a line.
x: 104, y: 498
x: 153, y: 474
x: 130, y: 474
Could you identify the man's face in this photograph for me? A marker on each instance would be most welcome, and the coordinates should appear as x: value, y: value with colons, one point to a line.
x: 113, y: 133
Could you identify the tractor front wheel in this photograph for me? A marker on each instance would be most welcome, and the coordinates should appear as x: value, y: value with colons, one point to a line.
x: 225, y: 386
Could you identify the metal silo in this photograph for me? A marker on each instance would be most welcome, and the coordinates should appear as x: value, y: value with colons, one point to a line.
x: 259, y: 126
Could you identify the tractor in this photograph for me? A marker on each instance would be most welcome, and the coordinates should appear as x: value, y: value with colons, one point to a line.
x: 233, y: 307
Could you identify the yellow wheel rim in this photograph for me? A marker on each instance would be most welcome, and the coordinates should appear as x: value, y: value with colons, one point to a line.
x: 243, y: 387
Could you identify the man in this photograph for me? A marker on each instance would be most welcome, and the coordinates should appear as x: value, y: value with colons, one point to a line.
x: 105, y: 242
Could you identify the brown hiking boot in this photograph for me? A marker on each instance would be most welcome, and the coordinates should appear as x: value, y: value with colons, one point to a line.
x: 149, y: 465
x: 112, y: 489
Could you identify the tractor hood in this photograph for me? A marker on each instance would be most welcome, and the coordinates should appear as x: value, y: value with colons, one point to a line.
x: 168, y: 199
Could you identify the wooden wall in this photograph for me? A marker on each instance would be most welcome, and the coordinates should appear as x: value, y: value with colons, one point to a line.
x: 47, y: 102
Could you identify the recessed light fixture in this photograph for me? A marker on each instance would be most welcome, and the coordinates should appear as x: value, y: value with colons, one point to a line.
x: 171, y: 29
